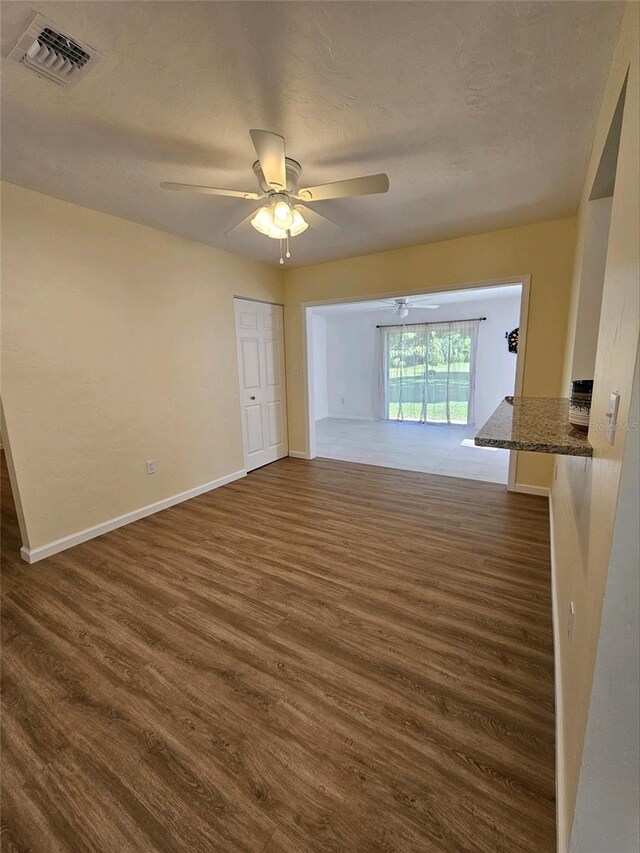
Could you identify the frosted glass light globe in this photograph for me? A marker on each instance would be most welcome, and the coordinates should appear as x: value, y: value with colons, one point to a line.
x: 277, y: 233
x: 282, y: 215
x: 263, y: 220
x: 299, y: 225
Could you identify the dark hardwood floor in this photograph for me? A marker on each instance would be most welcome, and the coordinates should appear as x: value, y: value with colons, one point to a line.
x: 321, y: 657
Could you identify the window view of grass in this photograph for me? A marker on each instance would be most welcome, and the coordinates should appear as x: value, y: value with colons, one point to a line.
x: 428, y: 376
x: 436, y: 412
x: 418, y: 369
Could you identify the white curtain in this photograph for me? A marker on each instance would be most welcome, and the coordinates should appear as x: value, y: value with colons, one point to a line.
x: 380, y: 385
x: 428, y: 371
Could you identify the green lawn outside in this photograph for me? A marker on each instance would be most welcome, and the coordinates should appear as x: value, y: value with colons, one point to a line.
x: 418, y: 369
x: 435, y: 411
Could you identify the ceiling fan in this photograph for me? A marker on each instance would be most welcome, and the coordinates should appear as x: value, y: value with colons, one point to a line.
x: 278, y: 178
x: 402, y: 304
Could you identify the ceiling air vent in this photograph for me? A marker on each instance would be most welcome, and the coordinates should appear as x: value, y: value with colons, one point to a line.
x: 53, y: 55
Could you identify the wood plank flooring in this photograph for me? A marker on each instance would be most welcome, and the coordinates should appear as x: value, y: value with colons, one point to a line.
x: 321, y: 657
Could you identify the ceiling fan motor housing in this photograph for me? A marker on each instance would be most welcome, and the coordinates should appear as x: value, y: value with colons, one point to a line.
x: 293, y: 171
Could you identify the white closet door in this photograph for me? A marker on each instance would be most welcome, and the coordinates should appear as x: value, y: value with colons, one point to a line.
x: 259, y: 334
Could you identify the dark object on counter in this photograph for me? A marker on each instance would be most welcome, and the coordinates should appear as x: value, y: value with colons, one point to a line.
x: 580, y: 403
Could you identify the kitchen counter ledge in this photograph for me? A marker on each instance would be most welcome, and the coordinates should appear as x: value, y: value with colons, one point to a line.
x: 534, y: 424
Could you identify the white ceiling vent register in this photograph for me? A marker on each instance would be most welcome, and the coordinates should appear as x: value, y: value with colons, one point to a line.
x: 53, y: 55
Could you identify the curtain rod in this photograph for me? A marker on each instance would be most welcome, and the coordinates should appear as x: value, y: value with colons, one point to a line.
x: 434, y: 323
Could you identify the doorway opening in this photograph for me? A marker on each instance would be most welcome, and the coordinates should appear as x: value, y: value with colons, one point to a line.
x: 406, y: 381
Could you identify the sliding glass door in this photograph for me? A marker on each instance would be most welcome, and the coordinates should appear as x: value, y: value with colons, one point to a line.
x: 429, y: 372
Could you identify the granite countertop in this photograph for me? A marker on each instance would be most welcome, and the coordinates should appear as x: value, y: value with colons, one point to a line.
x: 536, y: 424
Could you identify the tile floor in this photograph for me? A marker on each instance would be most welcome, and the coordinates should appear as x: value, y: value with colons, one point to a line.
x: 431, y: 448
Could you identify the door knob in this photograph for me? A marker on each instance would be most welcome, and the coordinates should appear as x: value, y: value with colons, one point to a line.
x: 253, y: 397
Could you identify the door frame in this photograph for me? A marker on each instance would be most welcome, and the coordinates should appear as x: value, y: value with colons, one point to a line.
x: 307, y: 347
x: 238, y: 367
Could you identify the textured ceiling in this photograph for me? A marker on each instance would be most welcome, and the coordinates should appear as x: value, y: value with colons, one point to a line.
x: 481, y: 113
x: 477, y: 294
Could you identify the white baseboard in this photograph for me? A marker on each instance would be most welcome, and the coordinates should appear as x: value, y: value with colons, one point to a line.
x: 561, y: 820
x: 543, y: 491
x: 351, y: 418
x: 298, y: 454
x: 32, y: 555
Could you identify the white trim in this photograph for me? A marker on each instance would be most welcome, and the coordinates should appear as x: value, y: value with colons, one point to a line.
x: 32, y: 555
x: 351, y: 418
x: 440, y: 288
x: 298, y: 454
x: 519, y: 380
x: 262, y: 301
x: 562, y: 840
x: 543, y: 491
x: 308, y: 382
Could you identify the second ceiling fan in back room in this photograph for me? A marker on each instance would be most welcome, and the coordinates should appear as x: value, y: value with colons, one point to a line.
x: 280, y: 217
x: 400, y: 306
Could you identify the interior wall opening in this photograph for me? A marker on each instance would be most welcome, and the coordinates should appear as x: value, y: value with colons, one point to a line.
x: 406, y: 382
x: 594, y: 257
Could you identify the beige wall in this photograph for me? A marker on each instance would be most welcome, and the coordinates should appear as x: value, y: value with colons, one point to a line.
x: 119, y: 346
x: 545, y: 250
x: 585, y: 494
x: 113, y: 355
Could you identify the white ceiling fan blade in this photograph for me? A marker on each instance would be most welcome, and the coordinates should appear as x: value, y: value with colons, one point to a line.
x: 245, y: 221
x: 366, y: 185
x: 194, y: 188
x: 317, y: 220
x: 430, y: 306
x: 270, y: 150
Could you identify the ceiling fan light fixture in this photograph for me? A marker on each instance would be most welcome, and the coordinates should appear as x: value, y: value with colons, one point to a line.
x: 263, y: 220
x: 282, y: 215
x: 277, y: 174
x: 267, y: 221
x: 299, y: 223
x: 277, y: 233
x: 402, y: 311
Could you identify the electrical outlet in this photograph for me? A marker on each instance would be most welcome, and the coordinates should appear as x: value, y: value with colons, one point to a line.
x: 151, y: 466
x: 571, y: 620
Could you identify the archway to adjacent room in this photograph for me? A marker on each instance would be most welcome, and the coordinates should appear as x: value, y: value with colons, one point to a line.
x: 410, y: 391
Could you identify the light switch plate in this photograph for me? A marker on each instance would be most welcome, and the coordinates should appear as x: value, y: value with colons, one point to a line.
x: 612, y: 417
x: 571, y: 620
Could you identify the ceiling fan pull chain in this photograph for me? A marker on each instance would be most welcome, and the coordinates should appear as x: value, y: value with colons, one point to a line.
x: 288, y: 254
x: 281, y: 258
